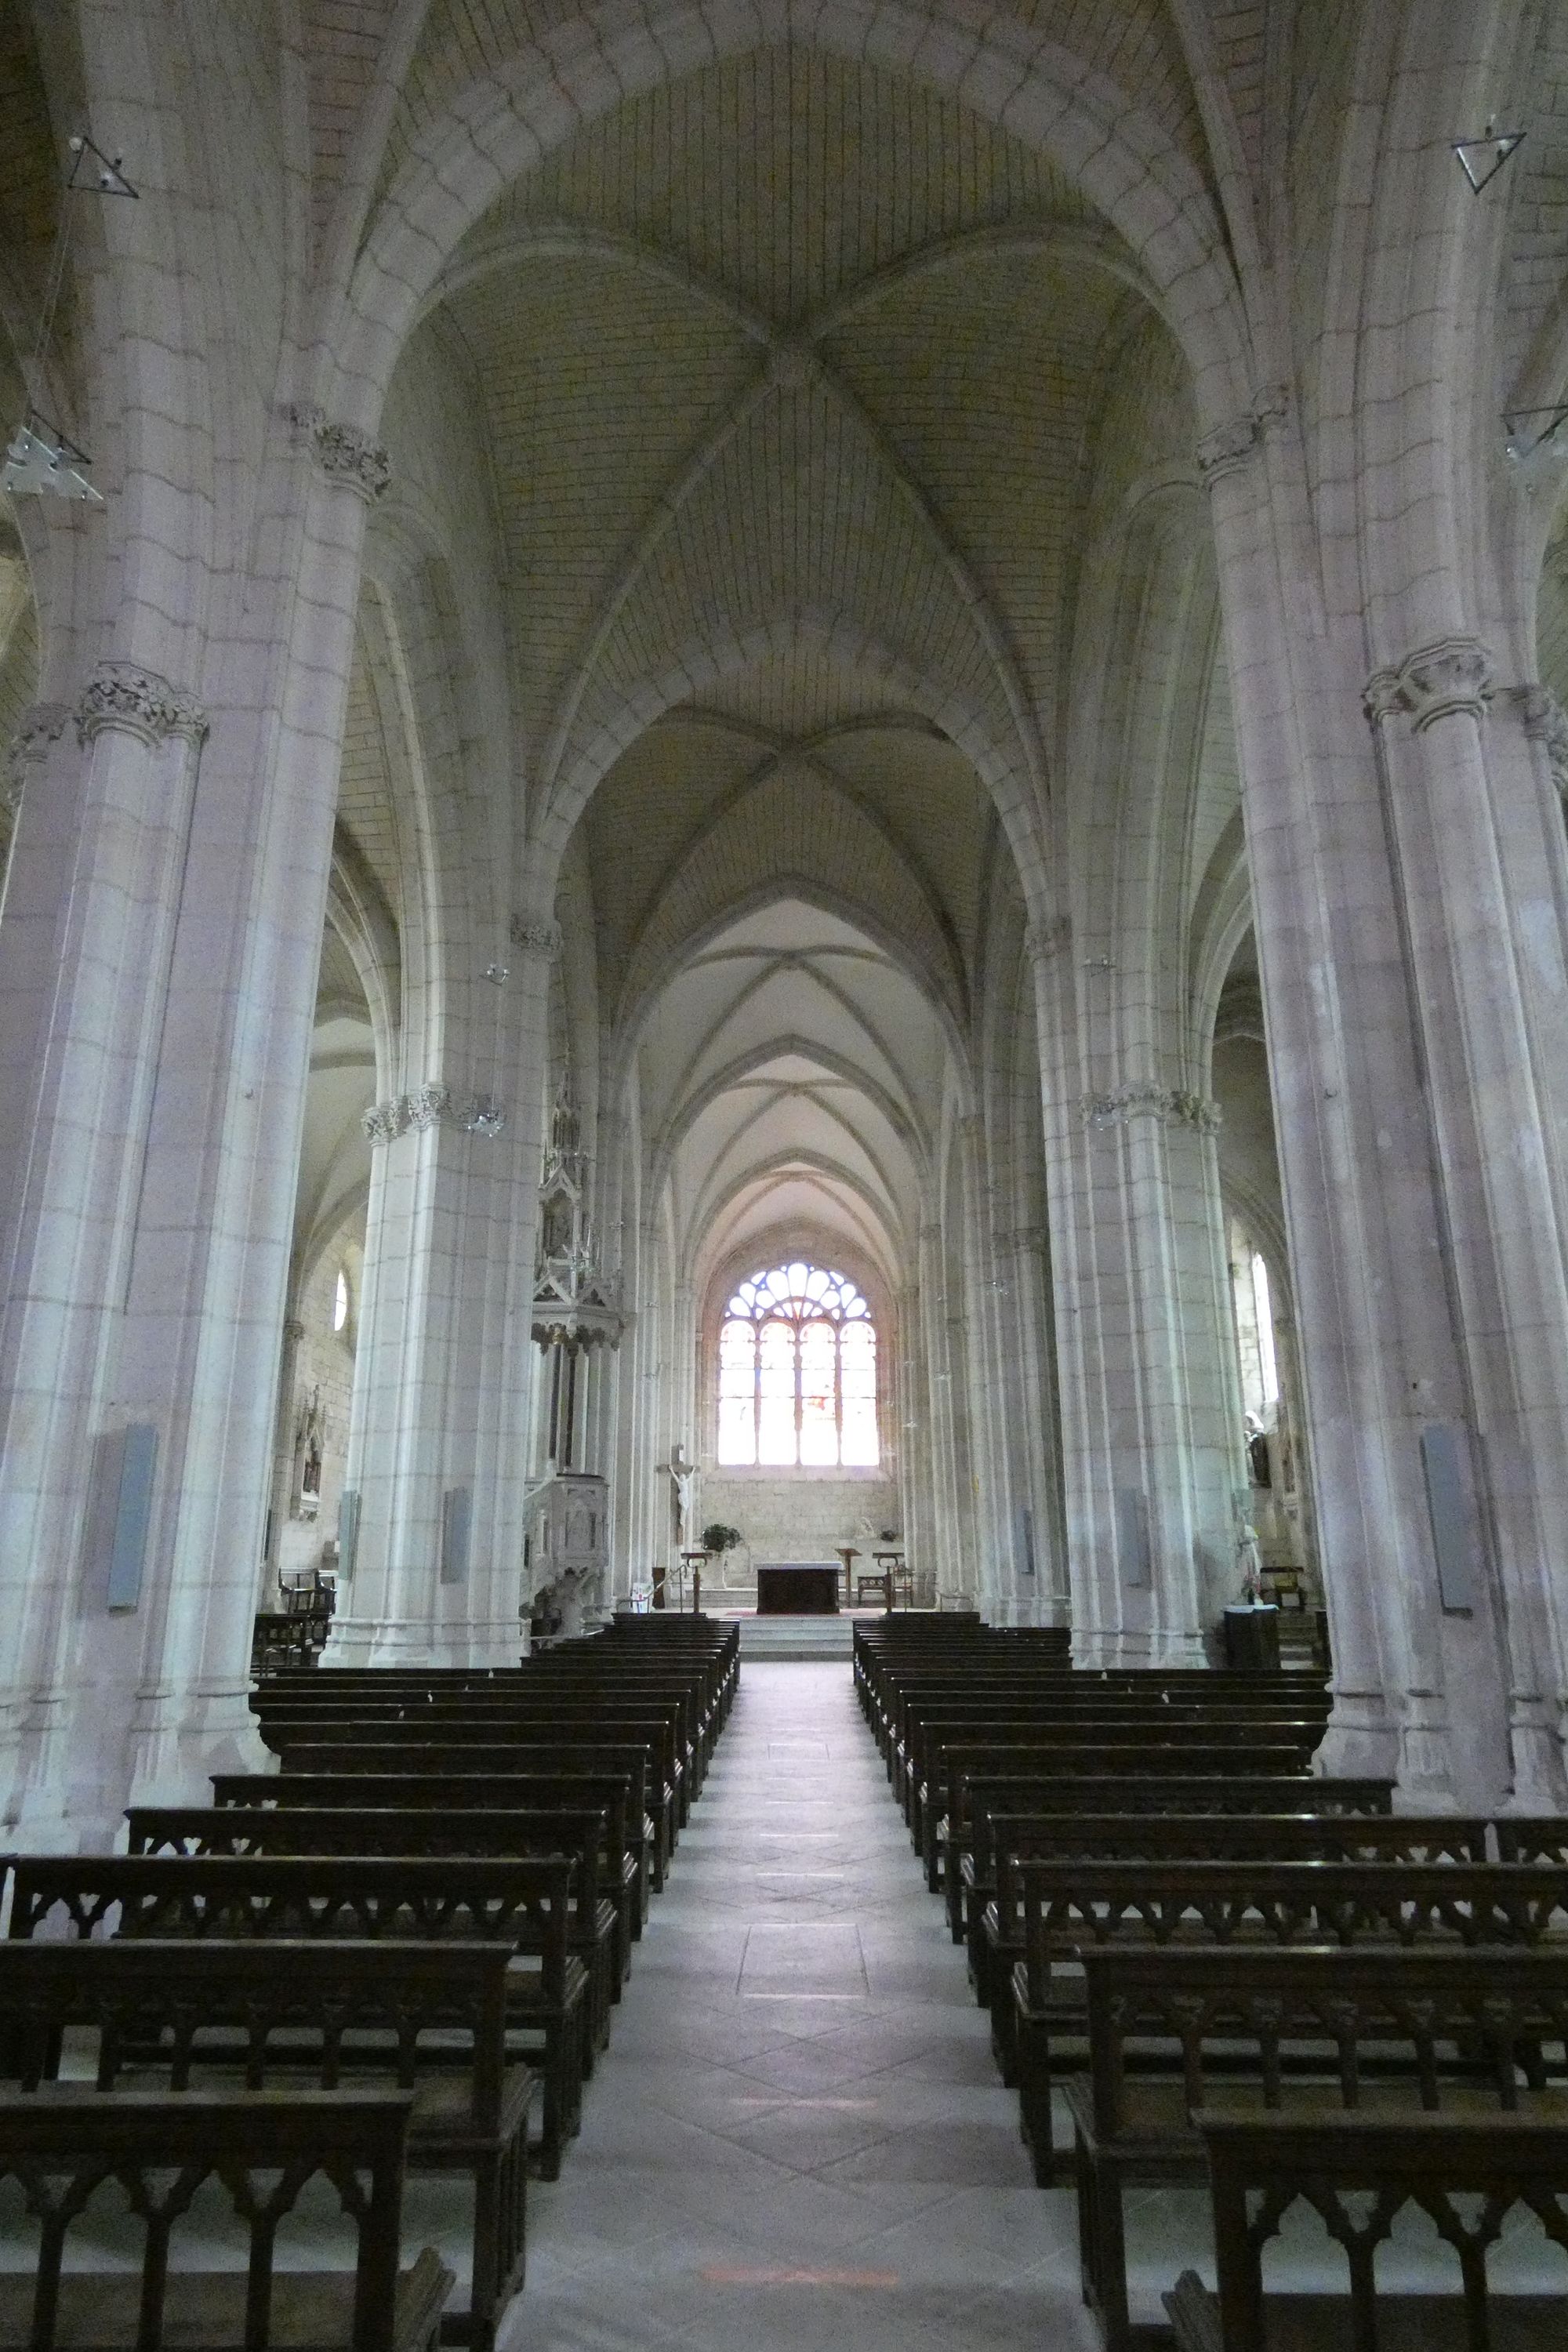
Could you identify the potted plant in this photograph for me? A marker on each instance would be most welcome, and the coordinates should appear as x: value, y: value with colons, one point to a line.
x: 718, y: 1539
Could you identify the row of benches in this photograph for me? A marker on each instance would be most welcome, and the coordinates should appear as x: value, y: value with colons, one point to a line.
x: 451, y: 1909
x: 1251, y: 1976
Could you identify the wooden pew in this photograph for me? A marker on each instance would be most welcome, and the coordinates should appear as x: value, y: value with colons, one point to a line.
x: 218, y: 2014
x: 1036, y: 1787
x: 925, y: 1793
x: 1262, y: 2167
x: 411, y: 1830
x: 262, y: 2152
x: 455, y: 1899
x: 1085, y: 1905
x: 993, y: 1920
x: 1085, y: 1759
x: 662, y: 1720
x: 1295, y: 2032
x: 1065, y: 1697
x: 540, y: 1751
x: 457, y: 1793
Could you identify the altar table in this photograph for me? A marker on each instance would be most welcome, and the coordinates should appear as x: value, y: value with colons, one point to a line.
x: 798, y: 1588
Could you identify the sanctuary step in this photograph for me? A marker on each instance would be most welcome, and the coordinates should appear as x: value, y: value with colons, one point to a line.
x: 796, y: 1637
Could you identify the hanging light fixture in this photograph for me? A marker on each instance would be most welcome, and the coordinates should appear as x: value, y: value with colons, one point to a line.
x: 1530, y: 429
x: 41, y: 461
x: 1482, y: 159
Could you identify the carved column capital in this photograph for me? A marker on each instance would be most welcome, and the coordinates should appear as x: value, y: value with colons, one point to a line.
x: 124, y: 695
x: 345, y: 456
x: 433, y: 1105
x: 1544, y: 721
x: 1238, y: 441
x: 1451, y: 676
x: 1144, y: 1099
x: 1043, y: 942
x: 535, y: 939
x: 42, y: 725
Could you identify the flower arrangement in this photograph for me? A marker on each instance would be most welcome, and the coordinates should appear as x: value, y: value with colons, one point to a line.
x: 720, y: 1538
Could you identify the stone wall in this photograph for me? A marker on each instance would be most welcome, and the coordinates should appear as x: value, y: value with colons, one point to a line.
x: 798, y: 1514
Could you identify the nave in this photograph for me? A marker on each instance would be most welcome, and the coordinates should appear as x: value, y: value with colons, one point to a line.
x: 801, y: 2139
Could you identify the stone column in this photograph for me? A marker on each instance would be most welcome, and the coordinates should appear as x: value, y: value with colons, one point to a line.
x: 1489, y: 1087
x: 1380, y: 1363
x: 1150, y: 1460
x: 447, y: 1362
x: 85, y: 954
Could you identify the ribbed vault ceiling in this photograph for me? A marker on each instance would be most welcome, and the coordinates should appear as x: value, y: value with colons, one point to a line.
x: 791, y: 373
x: 793, y: 1070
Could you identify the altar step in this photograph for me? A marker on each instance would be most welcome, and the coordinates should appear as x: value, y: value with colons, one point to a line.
x: 796, y: 1637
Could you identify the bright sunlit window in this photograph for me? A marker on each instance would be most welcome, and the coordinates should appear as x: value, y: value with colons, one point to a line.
x: 341, y: 1302
x: 797, y: 1373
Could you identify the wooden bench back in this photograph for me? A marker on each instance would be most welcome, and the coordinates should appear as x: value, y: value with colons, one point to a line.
x: 263, y: 2009
x: 1422, y: 2025
x: 263, y: 2152
x: 1075, y: 1905
x: 427, y: 1792
x: 995, y: 1833
x: 1235, y: 1794
x: 1471, y: 2176
x: 484, y: 1755
x: 193, y: 1830
x: 526, y: 1903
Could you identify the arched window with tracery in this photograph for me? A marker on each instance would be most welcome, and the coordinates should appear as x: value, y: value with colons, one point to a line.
x: 797, y: 1373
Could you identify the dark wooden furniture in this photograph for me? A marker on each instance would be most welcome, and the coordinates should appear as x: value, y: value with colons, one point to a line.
x: 1470, y: 2177
x: 426, y: 2017
x: 797, y: 1589
x: 157, y: 2153
x: 465, y: 1898
x: 1000, y: 1835
x: 608, y: 1873
x: 486, y: 1759
x: 1251, y: 1637
x: 1295, y: 2032
x: 1072, y: 1907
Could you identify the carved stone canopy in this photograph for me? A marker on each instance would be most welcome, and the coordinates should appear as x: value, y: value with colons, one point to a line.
x: 575, y: 1303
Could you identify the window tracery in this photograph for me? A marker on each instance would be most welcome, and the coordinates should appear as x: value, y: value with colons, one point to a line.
x: 797, y: 1373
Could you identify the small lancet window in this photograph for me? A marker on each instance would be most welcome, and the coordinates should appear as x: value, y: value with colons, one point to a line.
x: 341, y: 1302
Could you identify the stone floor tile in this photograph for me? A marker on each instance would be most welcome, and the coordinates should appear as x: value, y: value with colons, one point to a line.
x: 797, y: 2141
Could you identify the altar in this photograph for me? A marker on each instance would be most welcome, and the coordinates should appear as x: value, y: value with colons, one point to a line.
x: 798, y: 1588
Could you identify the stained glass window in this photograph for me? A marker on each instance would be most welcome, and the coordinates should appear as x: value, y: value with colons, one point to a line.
x: 797, y: 1373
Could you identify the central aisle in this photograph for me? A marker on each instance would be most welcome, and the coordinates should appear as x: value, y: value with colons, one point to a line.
x: 798, y: 2139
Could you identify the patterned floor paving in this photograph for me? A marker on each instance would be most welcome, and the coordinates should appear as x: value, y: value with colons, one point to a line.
x: 798, y: 2139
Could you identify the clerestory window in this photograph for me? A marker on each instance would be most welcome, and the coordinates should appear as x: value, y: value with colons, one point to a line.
x: 797, y: 1373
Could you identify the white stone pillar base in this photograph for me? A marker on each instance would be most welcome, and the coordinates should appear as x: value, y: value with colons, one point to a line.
x: 402, y: 1641
x: 1136, y: 1646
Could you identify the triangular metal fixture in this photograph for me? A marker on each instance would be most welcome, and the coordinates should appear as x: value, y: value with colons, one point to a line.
x: 1529, y: 429
x: 94, y: 172
x: 1482, y: 159
x: 42, y: 463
